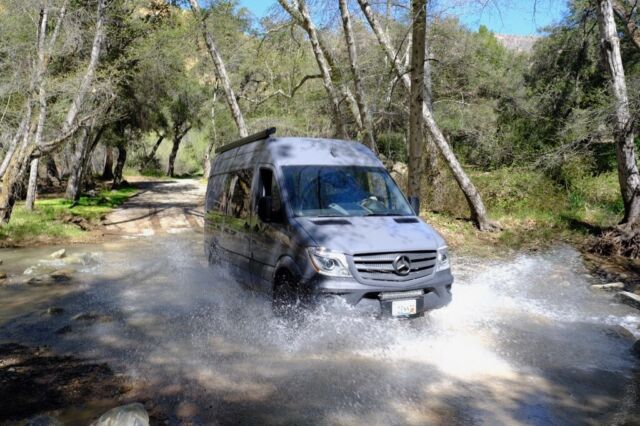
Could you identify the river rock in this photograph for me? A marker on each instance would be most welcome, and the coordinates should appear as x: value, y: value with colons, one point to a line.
x: 84, y: 259
x: 39, y: 280
x: 91, y: 317
x: 125, y: 415
x: 54, y: 310
x: 62, y: 275
x: 39, y: 269
x: 620, y: 332
x: 58, y: 254
x: 56, y: 276
x: 608, y: 286
x: 629, y: 298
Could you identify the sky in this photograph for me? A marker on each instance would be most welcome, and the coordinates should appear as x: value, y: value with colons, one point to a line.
x: 518, y: 17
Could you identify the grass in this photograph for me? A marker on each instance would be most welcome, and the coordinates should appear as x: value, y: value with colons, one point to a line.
x: 533, y: 210
x: 49, y: 222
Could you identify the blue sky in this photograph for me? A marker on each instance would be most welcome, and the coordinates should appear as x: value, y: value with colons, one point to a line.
x: 509, y: 17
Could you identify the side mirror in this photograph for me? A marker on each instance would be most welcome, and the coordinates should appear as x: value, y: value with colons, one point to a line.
x: 265, y: 209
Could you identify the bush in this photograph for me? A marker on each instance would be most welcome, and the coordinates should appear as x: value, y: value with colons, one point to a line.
x: 393, y: 145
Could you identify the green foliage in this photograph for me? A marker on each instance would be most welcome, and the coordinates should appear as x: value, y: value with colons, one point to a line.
x: 393, y: 146
x: 49, y: 219
x: 533, y: 208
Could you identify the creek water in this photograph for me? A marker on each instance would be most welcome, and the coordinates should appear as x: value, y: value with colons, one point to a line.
x: 524, y: 341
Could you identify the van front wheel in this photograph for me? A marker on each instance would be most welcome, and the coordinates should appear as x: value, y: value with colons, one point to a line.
x: 285, y: 295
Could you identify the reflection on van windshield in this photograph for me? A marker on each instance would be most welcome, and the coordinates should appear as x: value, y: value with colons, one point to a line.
x: 343, y: 191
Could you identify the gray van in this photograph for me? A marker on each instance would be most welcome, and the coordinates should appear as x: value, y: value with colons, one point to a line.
x: 306, y: 217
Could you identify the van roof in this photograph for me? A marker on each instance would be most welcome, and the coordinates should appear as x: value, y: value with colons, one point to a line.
x: 291, y: 151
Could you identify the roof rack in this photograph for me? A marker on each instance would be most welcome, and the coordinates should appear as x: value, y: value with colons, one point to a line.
x: 248, y: 139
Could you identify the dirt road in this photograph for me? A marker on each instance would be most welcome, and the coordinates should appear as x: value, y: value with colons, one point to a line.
x: 161, y: 207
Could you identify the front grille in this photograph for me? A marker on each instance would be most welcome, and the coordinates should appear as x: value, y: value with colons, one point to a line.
x: 379, y: 266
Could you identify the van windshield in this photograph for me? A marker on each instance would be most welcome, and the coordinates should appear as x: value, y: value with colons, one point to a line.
x: 343, y: 191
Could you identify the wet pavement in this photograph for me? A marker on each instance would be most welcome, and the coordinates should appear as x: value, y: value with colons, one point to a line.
x: 525, y: 341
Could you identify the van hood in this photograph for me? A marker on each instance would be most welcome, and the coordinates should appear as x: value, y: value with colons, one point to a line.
x: 373, y: 234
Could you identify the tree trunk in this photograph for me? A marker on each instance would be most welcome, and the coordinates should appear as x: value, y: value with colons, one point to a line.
x: 53, y: 176
x: 156, y: 145
x: 630, y: 26
x: 117, y: 174
x: 416, y: 100
x: 214, y: 138
x: 177, y: 138
x: 32, y: 188
x: 624, y: 131
x: 7, y: 158
x: 323, y: 66
x: 172, y: 156
x: 365, y: 117
x: 79, y: 158
x: 33, y: 184
x: 13, y: 179
x: 107, y: 173
x: 207, y: 160
x: 13, y: 174
x: 221, y: 71
x: 431, y: 162
x: 478, y: 211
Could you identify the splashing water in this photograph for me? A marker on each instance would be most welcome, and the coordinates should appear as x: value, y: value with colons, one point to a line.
x: 524, y: 341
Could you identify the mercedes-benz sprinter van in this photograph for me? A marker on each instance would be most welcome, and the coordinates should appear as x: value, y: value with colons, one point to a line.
x: 305, y: 216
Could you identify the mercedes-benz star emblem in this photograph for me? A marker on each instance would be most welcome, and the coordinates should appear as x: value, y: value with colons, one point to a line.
x: 402, y: 265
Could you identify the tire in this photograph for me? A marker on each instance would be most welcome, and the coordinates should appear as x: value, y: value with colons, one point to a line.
x: 286, y: 297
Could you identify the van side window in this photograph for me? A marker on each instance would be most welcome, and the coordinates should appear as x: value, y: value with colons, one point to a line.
x: 269, y: 188
x: 218, y: 193
x: 240, y: 194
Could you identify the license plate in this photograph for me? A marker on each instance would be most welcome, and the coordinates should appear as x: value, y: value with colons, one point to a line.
x: 401, y: 308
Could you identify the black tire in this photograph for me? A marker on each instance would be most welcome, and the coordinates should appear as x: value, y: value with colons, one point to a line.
x: 286, y: 297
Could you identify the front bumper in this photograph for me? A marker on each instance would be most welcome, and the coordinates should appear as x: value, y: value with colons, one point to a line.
x: 437, y: 290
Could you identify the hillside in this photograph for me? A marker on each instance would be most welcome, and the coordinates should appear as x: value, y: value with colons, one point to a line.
x: 522, y: 44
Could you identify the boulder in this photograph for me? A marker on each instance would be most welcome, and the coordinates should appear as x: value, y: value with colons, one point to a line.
x: 608, y: 286
x: 3, y: 275
x: 125, y: 415
x: 58, y: 254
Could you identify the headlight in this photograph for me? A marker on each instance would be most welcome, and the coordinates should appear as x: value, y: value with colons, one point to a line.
x: 329, y: 263
x: 443, y: 259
